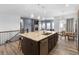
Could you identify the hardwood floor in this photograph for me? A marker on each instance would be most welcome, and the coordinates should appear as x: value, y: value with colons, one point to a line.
x: 63, y: 47
x: 10, y: 49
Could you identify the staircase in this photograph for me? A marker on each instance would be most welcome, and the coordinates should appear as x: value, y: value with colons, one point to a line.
x: 8, y: 36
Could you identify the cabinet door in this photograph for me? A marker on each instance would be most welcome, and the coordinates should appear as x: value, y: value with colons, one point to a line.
x: 29, y: 47
x: 55, y: 39
x: 49, y: 44
x: 44, y: 47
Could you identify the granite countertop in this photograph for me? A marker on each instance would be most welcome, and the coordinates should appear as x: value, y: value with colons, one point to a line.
x: 37, y: 35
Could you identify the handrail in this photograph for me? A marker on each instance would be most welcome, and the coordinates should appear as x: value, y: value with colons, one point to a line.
x: 6, y: 36
x: 9, y: 31
x: 14, y: 36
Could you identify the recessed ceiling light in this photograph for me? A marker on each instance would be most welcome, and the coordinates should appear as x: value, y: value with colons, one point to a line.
x: 21, y: 20
x: 38, y: 4
x: 38, y: 17
x: 66, y: 5
x: 43, y: 18
x: 32, y: 15
x: 52, y: 17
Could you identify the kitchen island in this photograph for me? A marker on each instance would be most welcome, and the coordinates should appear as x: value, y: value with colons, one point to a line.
x: 38, y: 43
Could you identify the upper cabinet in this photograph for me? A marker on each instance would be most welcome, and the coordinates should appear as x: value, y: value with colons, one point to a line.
x: 29, y: 24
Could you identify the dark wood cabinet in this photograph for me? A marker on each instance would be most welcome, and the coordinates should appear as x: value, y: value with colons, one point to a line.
x: 28, y: 24
x: 43, y: 47
x: 55, y: 39
x: 50, y: 45
x: 52, y: 41
x: 29, y: 47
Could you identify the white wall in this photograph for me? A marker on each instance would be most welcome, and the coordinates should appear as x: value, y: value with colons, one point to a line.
x: 39, y: 28
x: 63, y: 18
x: 56, y: 25
x: 9, y: 22
x: 62, y: 25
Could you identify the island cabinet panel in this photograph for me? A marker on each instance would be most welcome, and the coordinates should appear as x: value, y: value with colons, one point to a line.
x: 42, y: 47
x: 29, y: 47
x: 51, y: 43
x: 55, y: 38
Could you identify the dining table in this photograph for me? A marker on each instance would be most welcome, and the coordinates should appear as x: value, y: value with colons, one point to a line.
x: 69, y: 34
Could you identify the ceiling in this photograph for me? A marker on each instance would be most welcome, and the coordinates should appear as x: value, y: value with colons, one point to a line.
x: 36, y: 10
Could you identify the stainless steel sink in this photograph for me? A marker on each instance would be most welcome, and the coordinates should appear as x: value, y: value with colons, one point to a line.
x: 46, y: 33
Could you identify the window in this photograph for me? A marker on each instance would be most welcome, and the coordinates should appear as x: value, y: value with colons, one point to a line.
x: 48, y: 25
x: 43, y: 26
x: 52, y: 25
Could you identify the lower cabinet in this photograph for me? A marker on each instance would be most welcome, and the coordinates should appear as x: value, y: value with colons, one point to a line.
x: 43, y: 47
x: 52, y: 41
x: 29, y: 47
x: 50, y: 45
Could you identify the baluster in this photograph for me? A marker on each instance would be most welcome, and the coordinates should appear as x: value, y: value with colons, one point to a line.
x: 0, y: 38
x: 6, y: 36
x: 10, y: 35
x: 3, y: 38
